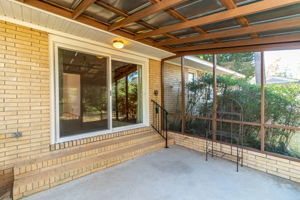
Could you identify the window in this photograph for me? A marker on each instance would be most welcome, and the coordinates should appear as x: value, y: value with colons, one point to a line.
x: 191, y: 77
x: 94, y: 94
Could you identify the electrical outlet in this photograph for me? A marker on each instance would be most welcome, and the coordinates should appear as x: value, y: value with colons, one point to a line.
x: 16, y: 134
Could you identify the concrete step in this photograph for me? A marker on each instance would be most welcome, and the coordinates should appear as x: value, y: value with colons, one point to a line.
x: 65, y: 156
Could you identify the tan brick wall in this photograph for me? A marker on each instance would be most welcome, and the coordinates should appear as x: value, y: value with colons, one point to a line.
x: 24, y: 96
x: 24, y: 100
x: 154, y: 84
x: 281, y: 167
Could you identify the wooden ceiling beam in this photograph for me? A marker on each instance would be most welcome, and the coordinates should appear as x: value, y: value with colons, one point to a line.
x: 221, y: 16
x: 243, y: 21
x: 162, y: 5
x: 121, y: 13
x: 257, y: 41
x: 252, y: 48
x: 82, y: 7
x: 83, y: 19
x: 277, y: 25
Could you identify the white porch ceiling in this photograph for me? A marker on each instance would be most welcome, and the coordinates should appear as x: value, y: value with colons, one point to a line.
x: 15, y: 12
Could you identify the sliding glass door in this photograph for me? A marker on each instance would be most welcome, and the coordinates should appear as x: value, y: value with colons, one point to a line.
x: 126, y: 94
x: 94, y: 95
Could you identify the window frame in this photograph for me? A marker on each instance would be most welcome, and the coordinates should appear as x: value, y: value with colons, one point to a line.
x: 56, y: 42
x: 194, y: 76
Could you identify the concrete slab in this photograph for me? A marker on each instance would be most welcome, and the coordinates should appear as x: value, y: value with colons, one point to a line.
x: 176, y: 174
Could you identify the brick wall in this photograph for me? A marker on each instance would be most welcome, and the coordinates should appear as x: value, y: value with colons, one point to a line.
x: 154, y: 84
x: 281, y: 167
x: 24, y: 96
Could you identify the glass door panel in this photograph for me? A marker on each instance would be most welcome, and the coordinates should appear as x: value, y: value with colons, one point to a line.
x: 126, y: 94
x: 83, y: 102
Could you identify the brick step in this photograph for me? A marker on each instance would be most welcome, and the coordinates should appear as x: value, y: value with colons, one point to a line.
x: 49, y: 178
x: 65, y: 156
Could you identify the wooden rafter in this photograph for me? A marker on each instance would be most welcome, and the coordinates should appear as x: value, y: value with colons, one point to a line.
x: 162, y: 5
x: 256, y: 41
x: 243, y: 21
x: 277, y: 25
x: 121, y: 13
x: 82, y: 19
x: 221, y: 16
x: 82, y: 7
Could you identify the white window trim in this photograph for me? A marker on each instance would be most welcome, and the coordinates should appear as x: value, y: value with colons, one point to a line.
x: 58, y: 41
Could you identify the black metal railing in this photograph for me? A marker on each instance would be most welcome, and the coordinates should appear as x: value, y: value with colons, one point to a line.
x: 160, y: 120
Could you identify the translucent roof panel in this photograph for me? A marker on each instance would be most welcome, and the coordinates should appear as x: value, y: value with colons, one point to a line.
x: 135, y: 27
x: 67, y: 3
x: 242, y: 37
x: 222, y: 25
x: 183, y: 32
x: 128, y: 6
x: 244, y: 2
x: 280, y: 32
x: 276, y: 14
x: 197, y: 8
x: 159, y: 38
x: 161, y: 19
x: 100, y: 13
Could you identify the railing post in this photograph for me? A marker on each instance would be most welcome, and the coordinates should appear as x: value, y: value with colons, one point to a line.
x: 166, y: 123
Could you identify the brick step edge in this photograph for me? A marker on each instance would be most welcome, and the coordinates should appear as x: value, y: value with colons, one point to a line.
x: 53, y: 154
x: 52, y: 178
x: 81, y: 153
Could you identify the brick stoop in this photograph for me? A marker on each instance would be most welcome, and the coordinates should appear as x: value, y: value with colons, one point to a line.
x: 65, y: 165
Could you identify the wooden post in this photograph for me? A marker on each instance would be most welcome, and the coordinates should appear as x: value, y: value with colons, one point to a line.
x: 214, y: 109
x: 262, y: 103
x: 126, y: 96
x: 182, y: 96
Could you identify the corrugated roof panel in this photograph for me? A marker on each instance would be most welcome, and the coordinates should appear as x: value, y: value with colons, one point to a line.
x: 241, y: 37
x: 244, y: 2
x: 160, y: 19
x: 280, y: 32
x: 183, y: 32
x: 197, y: 8
x: 67, y: 3
x: 222, y: 25
x: 128, y: 6
x: 135, y: 27
x: 100, y: 13
x: 159, y: 38
x: 276, y: 14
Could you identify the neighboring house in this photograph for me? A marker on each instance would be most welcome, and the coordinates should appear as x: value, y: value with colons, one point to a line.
x: 194, y: 67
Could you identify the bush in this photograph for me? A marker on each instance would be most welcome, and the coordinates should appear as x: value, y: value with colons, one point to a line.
x: 282, y: 103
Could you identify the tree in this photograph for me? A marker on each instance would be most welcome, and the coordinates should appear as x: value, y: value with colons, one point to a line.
x: 238, y: 62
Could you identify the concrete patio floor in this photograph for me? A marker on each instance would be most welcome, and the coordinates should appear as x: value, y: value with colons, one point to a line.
x: 176, y: 174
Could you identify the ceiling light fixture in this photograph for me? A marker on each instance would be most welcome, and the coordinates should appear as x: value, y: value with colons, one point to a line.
x: 118, y: 44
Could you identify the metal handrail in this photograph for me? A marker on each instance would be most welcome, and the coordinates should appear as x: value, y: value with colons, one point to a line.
x: 160, y: 120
